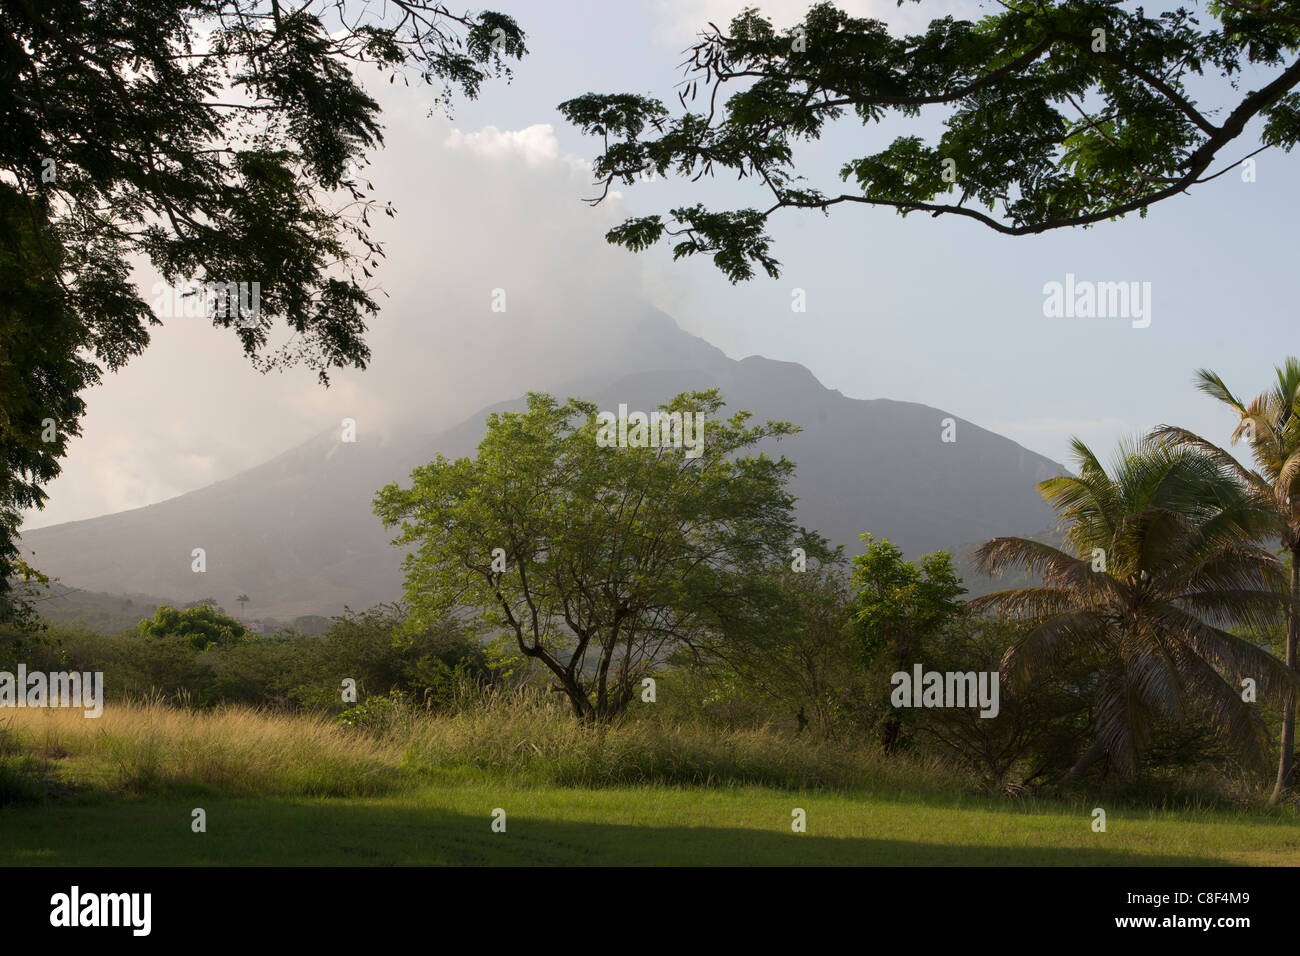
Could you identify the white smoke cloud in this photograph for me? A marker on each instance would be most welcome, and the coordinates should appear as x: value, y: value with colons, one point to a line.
x: 535, y: 146
x: 479, y: 213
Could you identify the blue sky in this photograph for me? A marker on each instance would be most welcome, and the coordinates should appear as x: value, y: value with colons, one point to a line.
x: 944, y: 311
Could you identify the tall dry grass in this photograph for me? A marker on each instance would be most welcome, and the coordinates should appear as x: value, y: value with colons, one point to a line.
x: 535, y: 737
x: 156, y: 747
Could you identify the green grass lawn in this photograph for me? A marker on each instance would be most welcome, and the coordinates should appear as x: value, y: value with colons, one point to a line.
x: 450, y: 824
x: 295, y: 789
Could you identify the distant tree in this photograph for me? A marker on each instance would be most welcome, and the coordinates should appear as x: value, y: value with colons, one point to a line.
x: 900, y: 607
x: 204, y: 602
x: 218, y: 140
x: 203, y: 626
x: 1162, y: 564
x: 311, y: 624
x: 599, y: 561
x: 1056, y: 114
x: 381, y: 651
x: 1270, y: 427
x: 243, y: 600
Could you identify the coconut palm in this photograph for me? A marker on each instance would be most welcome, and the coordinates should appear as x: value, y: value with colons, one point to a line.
x: 1270, y: 425
x: 1163, y: 563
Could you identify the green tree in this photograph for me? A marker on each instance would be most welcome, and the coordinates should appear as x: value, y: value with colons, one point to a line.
x: 1039, y: 730
x: 41, y: 378
x: 1056, y: 114
x: 901, y: 607
x: 804, y: 666
x: 202, y: 626
x: 312, y: 625
x: 217, y: 140
x: 599, y: 561
x: 1164, y: 562
x: 378, y: 650
x: 204, y: 602
x: 1270, y: 427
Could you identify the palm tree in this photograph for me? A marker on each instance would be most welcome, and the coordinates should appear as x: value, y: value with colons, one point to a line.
x: 243, y: 599
x: 1271, y: 427
x: 1163, y: 563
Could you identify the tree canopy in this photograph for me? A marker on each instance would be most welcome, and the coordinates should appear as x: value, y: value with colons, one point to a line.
x: 202, y: 626
x: 216, y: 139
x: 1164, y: 563
x: 900, y: 607
x: 1056, y: 113
x: 599, y: 561
x: 1270, y: 427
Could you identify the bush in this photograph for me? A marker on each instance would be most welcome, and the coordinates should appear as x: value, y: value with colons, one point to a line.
x: 195, y: 656
x: 373, y: 714
x: 21, y: 773
x: 1038, y: 732
x: 201, y: 625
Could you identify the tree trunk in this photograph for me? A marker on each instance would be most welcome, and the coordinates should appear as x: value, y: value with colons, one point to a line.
x: 890, y: 734
x: 1083, y: 763
x: 1285, y: 758
x: 571, y: 689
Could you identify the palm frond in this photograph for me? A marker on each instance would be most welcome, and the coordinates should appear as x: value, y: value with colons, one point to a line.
x: 1211, y: 384
x: 1173, y: 435
x: 1048, y: 640
x: 1123, y: 721
x: 1236, y: 722
x: 1025, y: 603
x: 1225, y: 652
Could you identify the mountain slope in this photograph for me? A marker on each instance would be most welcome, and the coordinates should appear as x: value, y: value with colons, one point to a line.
x: 297, y: 534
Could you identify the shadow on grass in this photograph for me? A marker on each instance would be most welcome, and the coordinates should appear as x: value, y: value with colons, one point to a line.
x: 348, y: 833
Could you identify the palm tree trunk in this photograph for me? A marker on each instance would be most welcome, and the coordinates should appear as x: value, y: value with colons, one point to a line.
x: 1288, y: 704
x: 1084, y: 762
